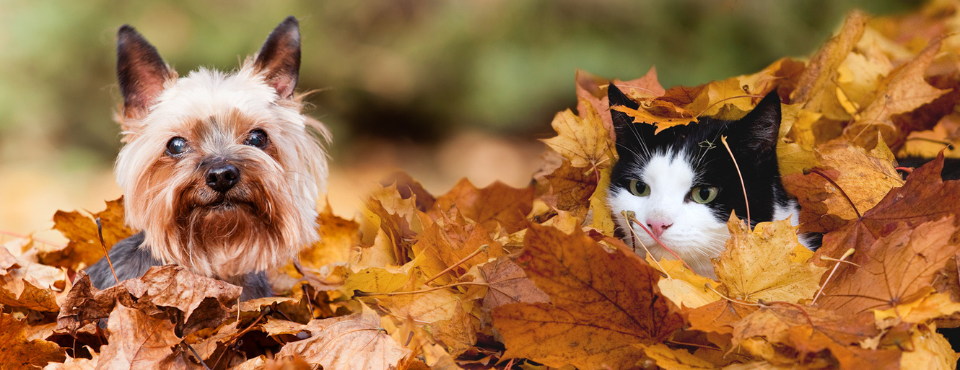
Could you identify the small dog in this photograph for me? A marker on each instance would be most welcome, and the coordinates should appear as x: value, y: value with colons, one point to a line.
x: 219, y: 171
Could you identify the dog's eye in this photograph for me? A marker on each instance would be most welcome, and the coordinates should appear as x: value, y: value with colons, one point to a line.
x: 176, y: 146
x: 257, y: 138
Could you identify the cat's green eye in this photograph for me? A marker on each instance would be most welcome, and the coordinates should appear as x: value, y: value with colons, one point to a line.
x: 639, y: 188
x: 704, y: 195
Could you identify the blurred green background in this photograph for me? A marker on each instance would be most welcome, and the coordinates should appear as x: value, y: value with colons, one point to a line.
x: 406, y: 73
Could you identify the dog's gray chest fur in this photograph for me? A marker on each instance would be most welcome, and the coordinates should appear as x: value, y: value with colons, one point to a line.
x: 131, y: 261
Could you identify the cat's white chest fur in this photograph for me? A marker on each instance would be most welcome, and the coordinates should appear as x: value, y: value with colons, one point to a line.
x: 694, y: 232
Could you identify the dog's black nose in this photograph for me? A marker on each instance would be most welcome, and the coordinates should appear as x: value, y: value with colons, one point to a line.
x: 223, y: 177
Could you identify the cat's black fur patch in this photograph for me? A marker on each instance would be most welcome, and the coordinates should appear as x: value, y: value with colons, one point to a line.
x: 752, y: 140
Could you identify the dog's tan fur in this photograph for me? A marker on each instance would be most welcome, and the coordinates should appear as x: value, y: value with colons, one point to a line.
x: 264, y: 220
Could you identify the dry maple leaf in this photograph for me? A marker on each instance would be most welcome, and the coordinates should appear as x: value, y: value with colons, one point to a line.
x: 409, y: 188
x: 720, y: 316
x: 601, y: 303
x: 32, y: 286
x: 897, y: 268
x: 460, y: 247
x: 202, y: 301
x: 440, y: 311
x: 84, y: 247
x: 732, y: 98
x: 76, y: 363
x: 137, y: 340
x: 926, y: 309
x: 924, y: 197
x: 602, y: 217
x: 569, y: 187
x: 674, y: 359
x: 376, y: 279
x: 644, y: 117
x: 593, y: 90
x: 931, y: 351
x: 929, y: 143
x: 684, y: 287
x: 390, y: 227
x: 337, y: 237
x: 347, y: 342
x: 457, y: 334
x: 801, y: 334
x: 858, y: 76
x: 508, y: 284
x: 496, y: 204
x: 798, y: 139
x: 818, y: 76
x: 849, y: 181
x: 21, y: 352
x: 766, y: 264
x: 903, y: 90
x: 583, y: 139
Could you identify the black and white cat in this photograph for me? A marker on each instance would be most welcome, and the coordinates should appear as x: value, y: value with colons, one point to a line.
x: 682, y: 183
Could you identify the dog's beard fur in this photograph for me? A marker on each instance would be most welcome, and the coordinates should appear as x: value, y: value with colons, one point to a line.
x: 261, y: 222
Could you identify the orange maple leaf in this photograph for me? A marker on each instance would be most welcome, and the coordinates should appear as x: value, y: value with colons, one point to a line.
x: 601, y: 302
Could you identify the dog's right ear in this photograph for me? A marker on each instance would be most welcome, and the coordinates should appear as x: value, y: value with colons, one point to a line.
x: 279, y: 57
x: 141, y: 72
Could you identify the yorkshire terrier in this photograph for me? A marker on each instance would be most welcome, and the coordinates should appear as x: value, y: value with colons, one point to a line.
x: 220, y: 171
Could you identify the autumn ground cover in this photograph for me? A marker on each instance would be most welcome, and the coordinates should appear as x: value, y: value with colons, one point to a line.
x: 532, y: 278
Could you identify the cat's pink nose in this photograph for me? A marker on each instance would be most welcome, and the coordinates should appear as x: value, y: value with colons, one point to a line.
x: 658, y: 227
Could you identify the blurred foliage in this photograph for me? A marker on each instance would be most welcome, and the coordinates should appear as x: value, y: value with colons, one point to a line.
x: 400, y: 70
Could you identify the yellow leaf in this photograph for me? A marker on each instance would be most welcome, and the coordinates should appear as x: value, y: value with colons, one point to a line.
x: 863, y: 178
x: 337, y: 237
x: 930, y: 351
x: 929, y: 143
x: 795, y: 152
x: 768, y: 263
x: 351, y: 342
x: 674, y: 359
x: 820, y: 72
x: 642, y: 116
x: 602, y: 219
x: 376, y: 280
x: 582, y: 140
x: 684, y: 287
x: 861, y: 71
x: 903, y: 90
x: 921, y: 310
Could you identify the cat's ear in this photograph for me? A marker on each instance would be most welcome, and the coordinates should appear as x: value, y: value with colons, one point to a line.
x: 759, y: 130
x: 622, y: 123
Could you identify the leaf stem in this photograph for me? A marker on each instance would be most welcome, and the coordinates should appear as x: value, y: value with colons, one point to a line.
x: 852, y: 205
x: 842, y: 258
x: 360, y: 293
x: 723, y: 139
x: 106, y: 254
x: 465, y: 259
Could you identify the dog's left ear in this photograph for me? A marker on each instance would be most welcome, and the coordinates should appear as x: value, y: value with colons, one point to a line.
x: 279, y: 57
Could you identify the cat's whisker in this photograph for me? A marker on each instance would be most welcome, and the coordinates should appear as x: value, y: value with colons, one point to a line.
x: 628, y: 149
x: 628, y: 215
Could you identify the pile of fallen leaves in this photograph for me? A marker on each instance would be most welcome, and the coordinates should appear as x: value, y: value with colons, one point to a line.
x: 532, y: 278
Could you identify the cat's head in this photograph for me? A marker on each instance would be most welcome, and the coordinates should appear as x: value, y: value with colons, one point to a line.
x: 682, y: 183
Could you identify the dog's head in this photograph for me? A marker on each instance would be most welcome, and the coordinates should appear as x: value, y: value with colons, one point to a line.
x: 220, y: 170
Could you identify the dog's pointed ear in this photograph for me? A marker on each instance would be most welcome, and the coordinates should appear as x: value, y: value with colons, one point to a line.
x: 279, y: 57
x: 140, y: 71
